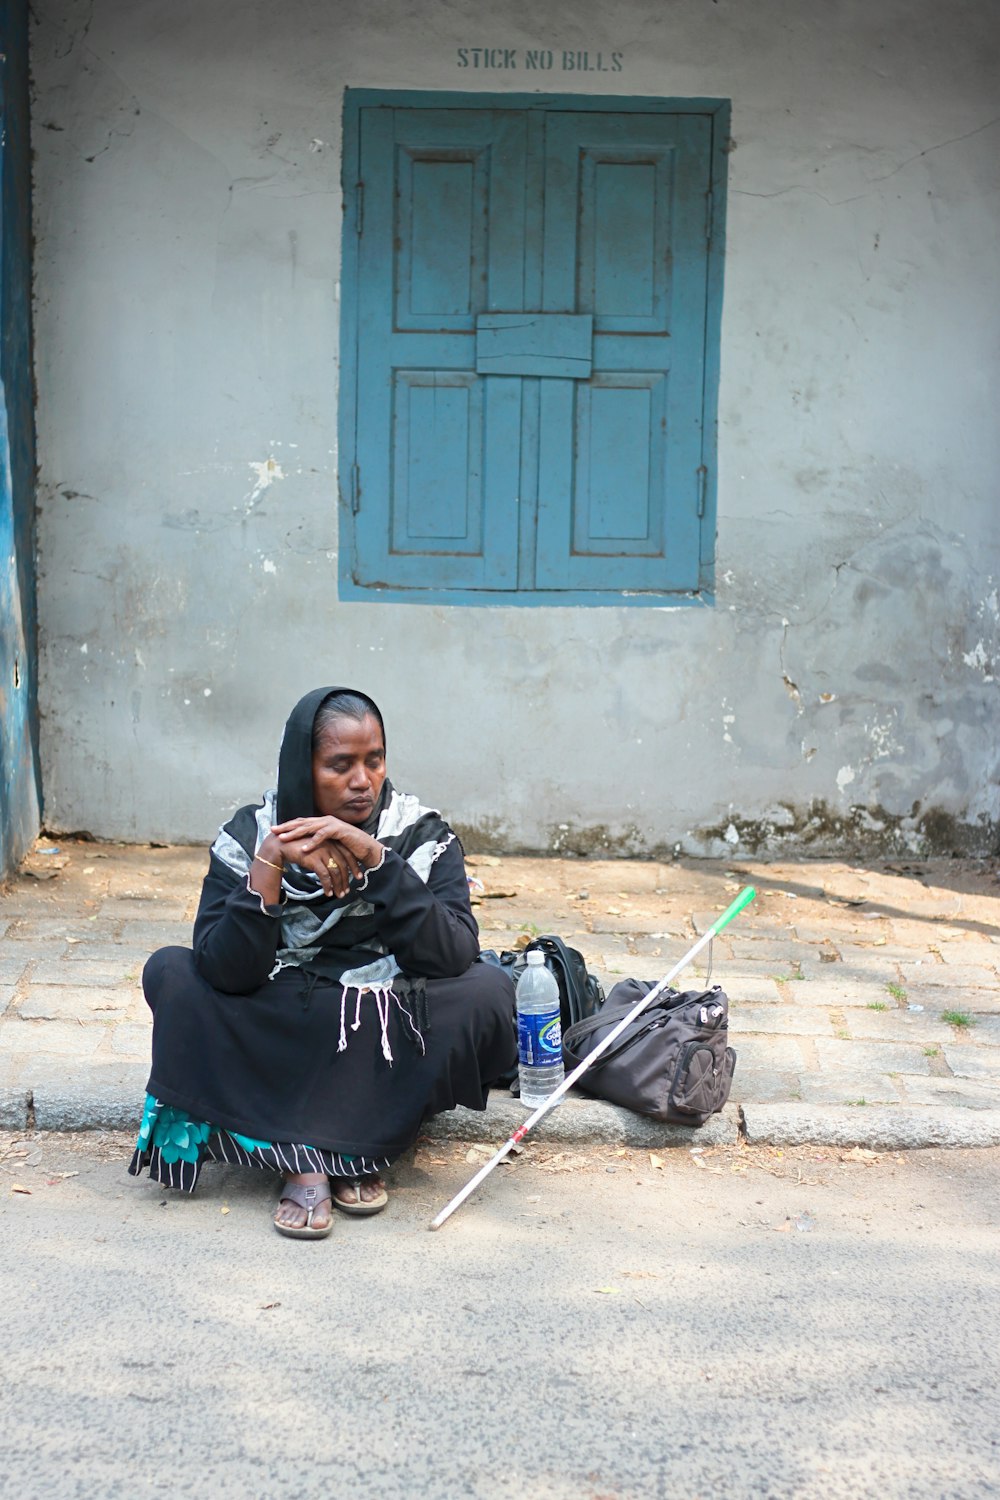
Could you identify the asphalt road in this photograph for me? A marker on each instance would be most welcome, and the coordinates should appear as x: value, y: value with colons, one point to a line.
x: 592, y: 1326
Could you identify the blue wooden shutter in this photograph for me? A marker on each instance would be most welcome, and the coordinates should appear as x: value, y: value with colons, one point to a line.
x: 438, y: 445
x: 620, y: 454
x: 528, y: 352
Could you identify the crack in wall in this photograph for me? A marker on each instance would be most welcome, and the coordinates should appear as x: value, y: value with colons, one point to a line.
x: 797, y: 187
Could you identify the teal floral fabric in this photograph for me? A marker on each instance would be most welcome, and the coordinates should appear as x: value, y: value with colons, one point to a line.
x: 176, y: 1137
x: 172, y: 1147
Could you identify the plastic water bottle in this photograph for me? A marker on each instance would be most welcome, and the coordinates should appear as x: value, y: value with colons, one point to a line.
x: 539, y: 1032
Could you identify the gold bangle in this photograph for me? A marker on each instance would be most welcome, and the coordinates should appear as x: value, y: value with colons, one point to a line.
x: 280, y: 868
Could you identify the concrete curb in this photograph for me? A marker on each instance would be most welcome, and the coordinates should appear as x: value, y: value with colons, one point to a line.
x: 885, y: 1129
x: 580, y: 1122
x: 114, y: 1103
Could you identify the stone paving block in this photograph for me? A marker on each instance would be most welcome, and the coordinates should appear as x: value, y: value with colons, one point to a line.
x: 6, y: 996
x: 153, y: 909
x: 666, y: 944
x: 918, y: 934
x: 133, y: 1038
x: 39, y: 932
x: 952, y: 976
x: 874, y: 955
x: 131, y: 955
x: 752, y: 919
x: 762, y: 1087
x: 864, y: 965
x: 769, y: 978
x: 846, y: 1089
x: 784, y: 1020
x: 610, y: 967
x: 894, y: 1025
x: 15, y: 957
x: 83, y: 971
x: 150, y: 882
x: 875, y: 928
x: 836, y: 992
x: 745, y: 988
x: 941, y: 997
x: 625, y: 923
x: 980, y: 1063
x: 955, y: 1092
x: 59, y: 1002
x: 978, y: 953
x: 67, y: 1038
x: 988, y: 1029
x: 778, y: 1054
x: 634, y: 967
x: 871, y: 1057
x: 151, y: 935
x: 765, y: 950
x: 839, y: 935
x: 12, y: 969
x: 492, y: 926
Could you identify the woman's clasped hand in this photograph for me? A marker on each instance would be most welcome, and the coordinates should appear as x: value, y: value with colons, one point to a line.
x: 336, y: 852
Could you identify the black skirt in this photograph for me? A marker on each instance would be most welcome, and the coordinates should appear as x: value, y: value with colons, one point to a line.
x: 301, y: 1059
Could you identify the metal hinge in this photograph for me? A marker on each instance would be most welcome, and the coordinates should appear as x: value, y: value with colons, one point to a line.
x: 355, y: 489
x: 709, y: 214
x: 702, y: 474
x: 359, y: 222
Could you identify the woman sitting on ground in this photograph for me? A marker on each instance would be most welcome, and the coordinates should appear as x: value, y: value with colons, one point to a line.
x: 333, y: 1000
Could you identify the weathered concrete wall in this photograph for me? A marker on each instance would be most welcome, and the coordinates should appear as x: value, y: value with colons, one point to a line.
x: 19, y: 759
x: 841, y: 691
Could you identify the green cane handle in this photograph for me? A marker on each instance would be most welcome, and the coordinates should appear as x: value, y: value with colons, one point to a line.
x: 744, y: 898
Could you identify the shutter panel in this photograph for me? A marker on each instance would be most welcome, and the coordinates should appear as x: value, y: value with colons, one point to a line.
x: 618, y: 504
x: 438, y: 445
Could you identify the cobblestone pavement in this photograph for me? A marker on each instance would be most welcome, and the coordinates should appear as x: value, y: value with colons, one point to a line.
x: 865, y: 1000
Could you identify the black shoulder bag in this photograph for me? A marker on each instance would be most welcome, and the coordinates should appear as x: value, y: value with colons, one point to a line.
x: 672, y: 1063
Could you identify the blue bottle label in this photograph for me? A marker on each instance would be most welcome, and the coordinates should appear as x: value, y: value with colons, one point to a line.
x: 539, y: 1041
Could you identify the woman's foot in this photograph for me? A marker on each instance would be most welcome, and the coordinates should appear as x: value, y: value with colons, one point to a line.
x: 359, y: 1195
x: 304, y: 1212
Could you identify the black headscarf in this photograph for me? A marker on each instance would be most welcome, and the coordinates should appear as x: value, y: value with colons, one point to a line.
x: 295, y: 776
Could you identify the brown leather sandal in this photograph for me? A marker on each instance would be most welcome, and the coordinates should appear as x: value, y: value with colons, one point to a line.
x: 310, y: 1196
x: 358, y: 1206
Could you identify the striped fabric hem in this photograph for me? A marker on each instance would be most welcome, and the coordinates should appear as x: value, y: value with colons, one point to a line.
x: 282, y: 1156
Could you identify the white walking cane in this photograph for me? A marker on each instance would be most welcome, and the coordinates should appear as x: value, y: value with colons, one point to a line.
x: 744, y: 898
